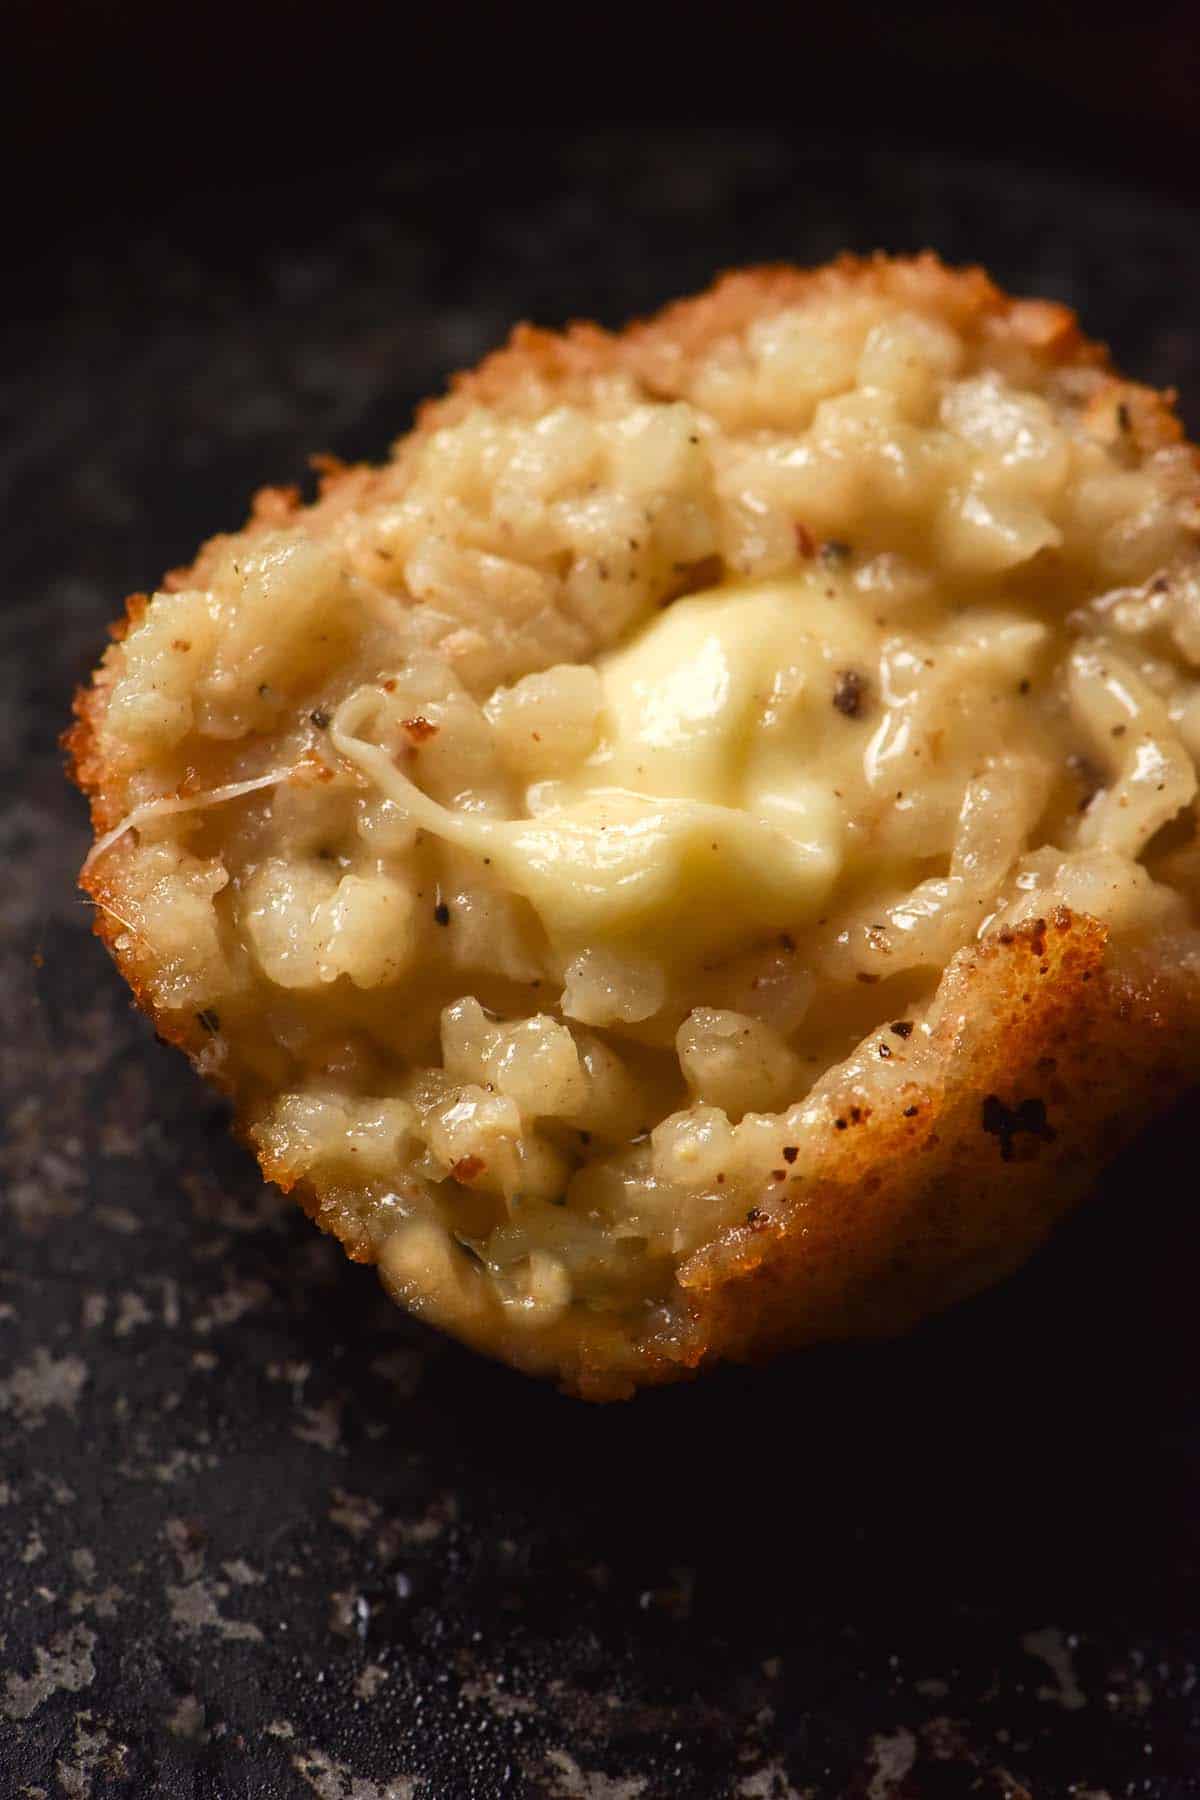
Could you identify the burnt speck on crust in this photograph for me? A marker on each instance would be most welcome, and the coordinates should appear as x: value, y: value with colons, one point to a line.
x: 1004, y: 1122
x: 903, y: 1028
x: 441, y: 913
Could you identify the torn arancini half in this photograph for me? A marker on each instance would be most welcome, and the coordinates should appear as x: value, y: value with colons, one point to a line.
x: 695, y: 854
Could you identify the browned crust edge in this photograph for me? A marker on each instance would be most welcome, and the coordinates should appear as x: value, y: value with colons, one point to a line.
x: 903, y: 1213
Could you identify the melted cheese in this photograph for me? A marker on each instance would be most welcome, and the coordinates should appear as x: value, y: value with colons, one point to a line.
x: 703, y: 815
x: 729, y: 790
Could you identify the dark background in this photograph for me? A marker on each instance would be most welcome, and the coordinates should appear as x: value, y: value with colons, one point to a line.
x: 261, y: 1535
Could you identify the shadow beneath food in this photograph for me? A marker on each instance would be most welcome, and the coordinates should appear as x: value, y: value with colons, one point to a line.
x: 1032, y: 1453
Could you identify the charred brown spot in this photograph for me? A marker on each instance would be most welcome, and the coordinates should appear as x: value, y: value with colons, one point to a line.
x: 806, y: 543
x: 849, y: 693
x: 756, y: 1216
x: 903, y: 1028
x: 418, y: 729
x: 790, y: 1152
x: 467, y: 1168
x: 1004, y: 1122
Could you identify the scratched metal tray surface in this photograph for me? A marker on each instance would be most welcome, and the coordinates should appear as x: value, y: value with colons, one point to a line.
x: 262, y: 1535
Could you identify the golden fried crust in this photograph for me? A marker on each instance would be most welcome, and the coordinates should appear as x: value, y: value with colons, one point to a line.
x: 1051, y: 1050
x: 659, y: 351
